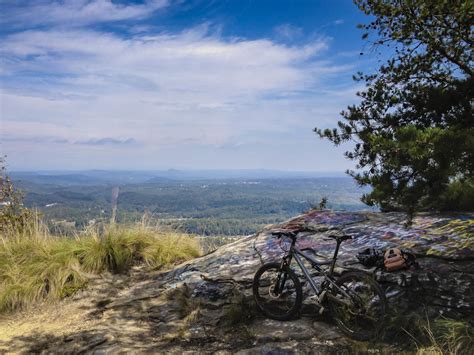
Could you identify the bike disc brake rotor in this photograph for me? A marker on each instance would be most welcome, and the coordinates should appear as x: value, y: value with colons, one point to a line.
x: 272, y: 294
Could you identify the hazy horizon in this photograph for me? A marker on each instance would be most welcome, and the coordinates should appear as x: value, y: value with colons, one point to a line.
x: 134, y: 176
x: 175, y: 169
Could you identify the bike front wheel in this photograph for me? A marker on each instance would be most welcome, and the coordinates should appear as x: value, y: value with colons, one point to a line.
x: 277, y: 291
x: 358, y: 305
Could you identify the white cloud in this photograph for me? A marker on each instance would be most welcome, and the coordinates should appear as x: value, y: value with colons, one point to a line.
x: 189, y: 65
x: 75, y: 12
x: 288, y: 31
x: 185, y: 93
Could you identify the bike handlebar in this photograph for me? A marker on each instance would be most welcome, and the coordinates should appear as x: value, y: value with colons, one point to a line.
x: 293, y: 234
x: 340, y: 238
x: 279, y: 234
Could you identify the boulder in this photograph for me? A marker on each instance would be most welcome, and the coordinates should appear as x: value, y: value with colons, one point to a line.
x: 444, y: 246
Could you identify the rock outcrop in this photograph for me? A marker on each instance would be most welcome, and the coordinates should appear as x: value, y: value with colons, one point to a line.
x: 444, y: 246
x: 206, y: 304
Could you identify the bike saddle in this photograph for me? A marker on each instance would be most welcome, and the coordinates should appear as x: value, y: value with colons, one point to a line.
x: 340, y: 238
x: 284, y: 233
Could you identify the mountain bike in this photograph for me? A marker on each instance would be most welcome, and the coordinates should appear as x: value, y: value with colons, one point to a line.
x: 355, y: 300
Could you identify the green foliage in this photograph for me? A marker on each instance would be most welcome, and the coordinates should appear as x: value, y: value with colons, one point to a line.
x: 414, y: 128
x: 458, y: 195
x: 210, y: 207
x: 323, y: 203
x: 13, y: 216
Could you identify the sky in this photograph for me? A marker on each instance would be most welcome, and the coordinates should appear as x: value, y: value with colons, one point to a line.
x: 161, y: 84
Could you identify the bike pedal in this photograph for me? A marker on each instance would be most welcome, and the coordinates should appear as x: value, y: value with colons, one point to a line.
x: 321, y: 310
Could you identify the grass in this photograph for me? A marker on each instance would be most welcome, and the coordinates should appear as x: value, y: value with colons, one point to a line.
x: 118, y: 248
x: 429, y: 334
x: 448, y: 336
x: 36, y: 266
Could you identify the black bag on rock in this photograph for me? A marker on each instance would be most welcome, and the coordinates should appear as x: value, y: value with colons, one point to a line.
x: 370, y: 257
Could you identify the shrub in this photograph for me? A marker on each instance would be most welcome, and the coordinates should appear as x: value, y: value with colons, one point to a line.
x: 13, y: 216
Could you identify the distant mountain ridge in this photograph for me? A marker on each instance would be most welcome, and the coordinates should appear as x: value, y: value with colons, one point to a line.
x: 91, y: 177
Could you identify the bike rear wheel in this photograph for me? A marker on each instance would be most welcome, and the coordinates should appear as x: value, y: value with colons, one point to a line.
x: 358, y: 305
x: 277, y: 291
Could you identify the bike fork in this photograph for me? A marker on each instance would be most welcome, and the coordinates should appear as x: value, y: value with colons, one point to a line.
x: 278, y: 288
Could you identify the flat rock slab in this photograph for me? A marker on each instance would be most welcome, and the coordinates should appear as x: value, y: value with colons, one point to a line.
x: 268, y: 330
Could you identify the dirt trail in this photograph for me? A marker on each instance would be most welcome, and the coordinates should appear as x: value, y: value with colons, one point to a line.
x: 40, y: 327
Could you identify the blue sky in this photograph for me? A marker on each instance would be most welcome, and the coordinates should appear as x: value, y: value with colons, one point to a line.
x: 99, y: 84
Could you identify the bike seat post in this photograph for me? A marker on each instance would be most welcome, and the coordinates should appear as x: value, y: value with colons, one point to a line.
x: 293, y: 241
x: 334, y: 258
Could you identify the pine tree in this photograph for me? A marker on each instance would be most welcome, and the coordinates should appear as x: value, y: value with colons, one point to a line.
x: 413, y: 130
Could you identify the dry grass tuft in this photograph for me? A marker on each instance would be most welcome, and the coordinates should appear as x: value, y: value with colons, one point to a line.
x: 36, y: 266
x: 448, y: 336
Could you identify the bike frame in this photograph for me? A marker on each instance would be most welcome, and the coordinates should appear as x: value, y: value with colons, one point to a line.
x: 297, y: 254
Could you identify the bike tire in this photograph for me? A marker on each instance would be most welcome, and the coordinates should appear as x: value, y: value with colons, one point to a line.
x: 266, y: 308
x: 366, y: 325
